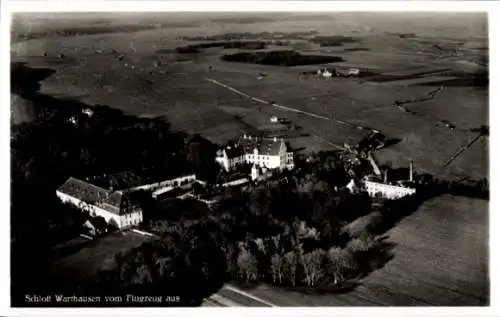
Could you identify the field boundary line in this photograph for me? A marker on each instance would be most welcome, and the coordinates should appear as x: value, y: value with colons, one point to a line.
x: 236, y: 290
x: 223, y: 301
x: 144, y: 233
x: 86, y: 236
x: 314, y: 115
x: 265, y: 102
x: 330, y: 143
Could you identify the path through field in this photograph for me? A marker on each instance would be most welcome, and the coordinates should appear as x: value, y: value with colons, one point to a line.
x: 287, y: 108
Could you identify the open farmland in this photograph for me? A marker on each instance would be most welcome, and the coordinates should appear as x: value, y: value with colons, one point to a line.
x: 147, y: 83
x: 440, y: 258
x: 144, y: 75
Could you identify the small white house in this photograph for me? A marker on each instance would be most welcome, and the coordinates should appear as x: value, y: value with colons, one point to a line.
x: 327, y: 73
x: 274, y: 119
x: 73, y: 120
x: 88, y: 112
x: 353, y: 72
x: 89, y: 228
x: 351, y: 186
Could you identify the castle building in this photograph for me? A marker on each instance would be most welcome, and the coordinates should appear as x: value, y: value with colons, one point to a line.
x: 114, y: 206
x: 268, y: 153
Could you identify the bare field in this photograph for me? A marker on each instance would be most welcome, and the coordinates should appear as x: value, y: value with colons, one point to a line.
x: 440, y: 259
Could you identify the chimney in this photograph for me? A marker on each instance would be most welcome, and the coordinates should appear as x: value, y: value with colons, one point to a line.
x: 385, y: 176
x: 411, y: 170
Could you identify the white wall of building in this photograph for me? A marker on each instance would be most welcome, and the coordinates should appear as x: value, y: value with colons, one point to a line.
x: 223, y: 161
x: 327, y: 74
x: 283, y: 160
x: 131, y: 219
x: 123, y: 221
x: 388, y: 191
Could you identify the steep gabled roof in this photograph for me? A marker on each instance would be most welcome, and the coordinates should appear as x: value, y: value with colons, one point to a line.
x: 264, y: 146
x: 82, y: 190
x: 233, y: 151
x: 115, y: 202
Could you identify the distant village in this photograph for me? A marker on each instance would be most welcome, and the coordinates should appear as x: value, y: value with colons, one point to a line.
x: 109, y: 196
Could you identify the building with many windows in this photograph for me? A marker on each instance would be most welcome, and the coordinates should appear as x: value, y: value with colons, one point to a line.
x: 269, y: 153
x: 114, y: 206
x: 389, y: 190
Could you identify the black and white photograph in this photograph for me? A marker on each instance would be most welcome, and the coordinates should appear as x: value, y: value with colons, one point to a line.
x: 249, y: 159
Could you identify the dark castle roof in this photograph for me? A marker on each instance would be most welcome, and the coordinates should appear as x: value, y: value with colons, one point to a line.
x: 115, y: 202
x: 247, y: 145
x: 264, y: 146
x: 234, y: 151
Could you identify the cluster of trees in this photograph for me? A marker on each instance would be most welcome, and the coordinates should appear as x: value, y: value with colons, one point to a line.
x: 250, y: 36
x: 468, y: 188
x: 80, y: 31
x: 24, y: 80
x: 280, y: 58
x: 289, y: 231
x: 196, y: 48
x: 187, y: 261
x: 336, y: 40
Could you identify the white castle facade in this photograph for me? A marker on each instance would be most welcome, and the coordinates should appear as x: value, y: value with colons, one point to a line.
x: 266, y: 153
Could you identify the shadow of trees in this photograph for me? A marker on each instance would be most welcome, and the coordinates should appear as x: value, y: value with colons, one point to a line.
x: 25, y: 80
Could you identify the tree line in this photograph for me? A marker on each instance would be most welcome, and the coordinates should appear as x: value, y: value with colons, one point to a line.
x: 280, y: 58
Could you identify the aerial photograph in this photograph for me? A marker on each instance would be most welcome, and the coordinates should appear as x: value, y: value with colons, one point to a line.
x: 249, y: 159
